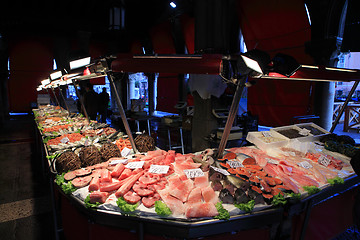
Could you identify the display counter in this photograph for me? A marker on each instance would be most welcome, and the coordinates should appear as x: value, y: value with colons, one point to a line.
x: 319, y: 216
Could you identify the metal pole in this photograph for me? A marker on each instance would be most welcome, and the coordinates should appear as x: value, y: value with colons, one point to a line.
x: 81, y: 101
x: 62, y: 95
x: 57, y: 101
x: 356, y: 83
x: 231, y: 117
x: 122, y: 112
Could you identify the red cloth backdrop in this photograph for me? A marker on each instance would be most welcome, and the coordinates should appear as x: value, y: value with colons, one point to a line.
x: 167, y: 84
x: 188, y: 28
x: 277, y: 26
x: 31, y: 61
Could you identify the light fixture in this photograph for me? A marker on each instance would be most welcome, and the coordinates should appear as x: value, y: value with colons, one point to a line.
x: 254, y: 61
x: 39, y: 88
x: 55, y: 75
x: 82, y: 62
x: 284, y: 64
x: 173, y: 5
x: 45, y: 82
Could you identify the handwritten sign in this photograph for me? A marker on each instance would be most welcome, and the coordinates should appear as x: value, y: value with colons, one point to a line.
x: 115, y: 161
x: 304, y: 132
x: 99, y: 131
x: 323, y: 160
x: 266, y: 134
x: 193, y: 173
x: 65, y: 140
x: 220, y: 170
x: 235, y: 164
x: 133, y: 165
x: 125, y: 152
x: 305, y: 164
x: 159, y: 169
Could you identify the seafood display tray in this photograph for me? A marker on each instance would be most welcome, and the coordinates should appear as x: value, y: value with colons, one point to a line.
x: 259, y: 139
x: 183, y: 229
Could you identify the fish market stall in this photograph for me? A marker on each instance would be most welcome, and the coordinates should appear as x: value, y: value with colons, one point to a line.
x: 101, y: 189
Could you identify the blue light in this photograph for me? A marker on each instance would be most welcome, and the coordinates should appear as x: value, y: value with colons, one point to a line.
x: 173, y: 5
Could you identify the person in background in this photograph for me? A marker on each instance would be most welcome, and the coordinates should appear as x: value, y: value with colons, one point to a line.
x: 91, y: 101
x: 103, y: 104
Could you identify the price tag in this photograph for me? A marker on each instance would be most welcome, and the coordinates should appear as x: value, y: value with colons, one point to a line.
x: 305, y: 164
x: 304, y: 132
x: 193, y: 173
x: 234, y: 164
x: 48, y: 121
x: 323, y: 160
x: 115, y: 161
x: 159, y: 169
x: 99, y: 131
x: 266, y: 134
x: 96, y: 140
x: 220, y: 170
x: 272, y: 161
x: 87, y: 143
x: 133, y: 165
x: 126, y: 151
x: 65, y: 140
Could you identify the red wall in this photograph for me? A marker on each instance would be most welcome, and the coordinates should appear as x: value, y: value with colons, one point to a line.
x: 30, y: 62
x: 277, y: 26
x: 167, y: 84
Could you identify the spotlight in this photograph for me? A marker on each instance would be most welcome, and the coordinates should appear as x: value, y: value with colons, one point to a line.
x: 173, y: 5
x: 253, y: 61
x: 78, y: 63
x: 55, y: 75
x: 45, y: 82
x: 284, y: 64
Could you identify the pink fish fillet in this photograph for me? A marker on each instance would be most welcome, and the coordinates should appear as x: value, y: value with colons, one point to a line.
x: 201, y: 210
x: 202, y: 181
x: 127, y: 185
x: 194, y: 196
x: 181, y: 190
x: 209, y: 195
x: 304, y: 180
x: 176, y: 206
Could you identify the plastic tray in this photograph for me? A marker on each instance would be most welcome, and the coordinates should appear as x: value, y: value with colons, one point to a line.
x: 316, y: 131
x: 292, y: 132
x: 264, y: 142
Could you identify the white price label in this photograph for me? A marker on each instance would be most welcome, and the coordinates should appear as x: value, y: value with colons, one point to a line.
x: 305, y: 164
x: 272, y: 161
x: 304, y: 132
x: 48, y: 121
x: 266, y: 134
x: 193, y: 173
x: 159, y: 169
x: 235, y: 164
x: 133, y: 165
x: 99, y: 131
x: 126, y: 151
x: 323, y: 160
x: 96, y: 140
x: 220, y: 170
x: 65, y: 140
x: 115, y: 161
